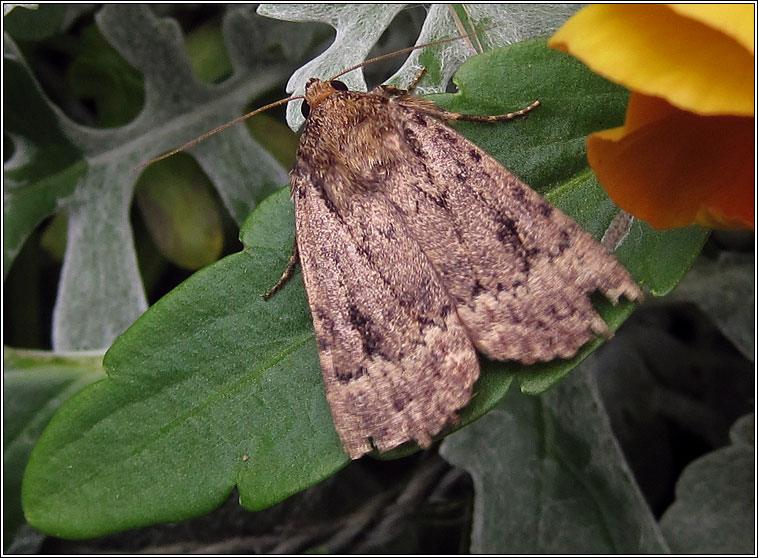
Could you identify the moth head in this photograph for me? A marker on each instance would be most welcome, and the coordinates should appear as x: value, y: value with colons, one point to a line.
x: 317, y: 90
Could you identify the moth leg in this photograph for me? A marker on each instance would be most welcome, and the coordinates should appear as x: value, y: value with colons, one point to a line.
x: 450, y: 116
x: 392, y: 91
x: 416, y: 79
x: 288, y: 272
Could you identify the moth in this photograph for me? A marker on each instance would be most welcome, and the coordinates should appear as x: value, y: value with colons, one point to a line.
x: 419, y: 249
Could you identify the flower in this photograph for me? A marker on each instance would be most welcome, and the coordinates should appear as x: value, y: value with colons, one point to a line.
x: 686, y: 151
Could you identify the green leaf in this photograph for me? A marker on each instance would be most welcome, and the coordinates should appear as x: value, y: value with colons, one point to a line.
x: 549, y: 477
x: 35, y: 384
x: 212, y: 387
x: 724, y: 289
x: 199, y: 399
x: 34, y: 22
x: 714, y: 510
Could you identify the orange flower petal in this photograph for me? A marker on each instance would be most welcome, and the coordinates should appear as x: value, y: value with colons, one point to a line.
x: 673, y: 168
x: 657, y: 50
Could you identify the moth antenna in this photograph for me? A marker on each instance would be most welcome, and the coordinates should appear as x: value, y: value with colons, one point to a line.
x: 206, y: 135
x: 229, y: 124
x: 407, y: 49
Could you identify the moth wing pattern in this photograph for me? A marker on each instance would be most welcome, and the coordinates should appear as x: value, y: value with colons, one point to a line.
x: 520, y: 271
x: 396, y: 361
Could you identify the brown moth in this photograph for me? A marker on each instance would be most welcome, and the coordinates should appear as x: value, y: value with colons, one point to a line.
x: 417, y: 250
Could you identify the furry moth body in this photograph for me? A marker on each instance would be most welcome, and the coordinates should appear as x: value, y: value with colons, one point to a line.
x: 417, y: 250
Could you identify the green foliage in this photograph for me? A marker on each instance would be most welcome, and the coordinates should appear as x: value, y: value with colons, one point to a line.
x: 550, y: 478
x: 724, y: 288
x: 178, y: 207
x: 35, y: 384
x: 90, y: 173
x: 715, y: 491
x: 212, y: 387
x: 210, y: 374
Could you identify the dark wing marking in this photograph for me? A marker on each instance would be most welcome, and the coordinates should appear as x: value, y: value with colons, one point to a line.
x: 519, y: 270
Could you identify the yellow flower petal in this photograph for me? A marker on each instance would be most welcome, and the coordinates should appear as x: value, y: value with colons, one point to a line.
x: 735, y: 20
x: 673, y: 168
x: 656, y: 50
